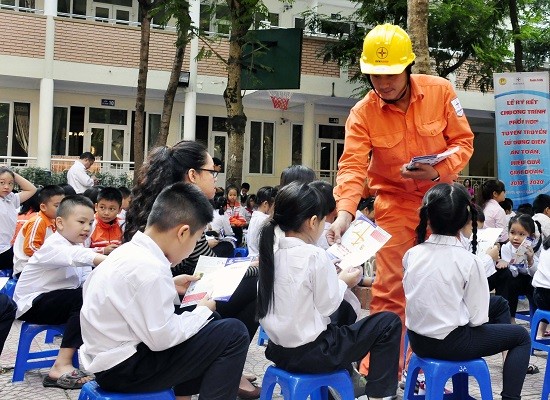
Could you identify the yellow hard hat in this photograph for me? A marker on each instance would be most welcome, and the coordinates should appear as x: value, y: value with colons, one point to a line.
x: 387, y: 50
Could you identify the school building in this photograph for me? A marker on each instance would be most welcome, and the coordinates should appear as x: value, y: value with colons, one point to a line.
x: 68, y: 78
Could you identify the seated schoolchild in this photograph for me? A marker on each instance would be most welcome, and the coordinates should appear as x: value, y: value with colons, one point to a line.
x: 38, y: 228
x: 299, y: 290
x: 49, y: 290
x: 449, y: 321
x: 133, y: 340
x: 106, y: 230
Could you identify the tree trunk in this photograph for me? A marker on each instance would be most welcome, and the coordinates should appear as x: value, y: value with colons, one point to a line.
x: 236, y: 119
x: 417, y: 27
x: 139, y: 123
x: 170, y: 94
x: 516, y: 30
x: 181, y: 13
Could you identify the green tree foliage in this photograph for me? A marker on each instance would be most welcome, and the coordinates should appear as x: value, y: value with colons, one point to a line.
x: 473, y: 34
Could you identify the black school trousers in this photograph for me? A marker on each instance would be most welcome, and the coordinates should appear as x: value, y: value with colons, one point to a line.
x: 338, y: 346
x: 209, y: 363
x: 56, y: 308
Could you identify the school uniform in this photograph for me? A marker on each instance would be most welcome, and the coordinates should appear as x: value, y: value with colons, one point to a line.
x: 447, y: 310
x: 253, y: 234
x: 522, y: 283
x: 8, y: 219
x: 541, y: 281
x: 302, y: 339
x: 104, y: 234
x: 49, y: 290
x: 544, y: 221
x: 220, y: 222
x: 30, y: 238
x: 499, y: 311
x: 236, y: 215
x: 495, y: 217
x: 133, y: 340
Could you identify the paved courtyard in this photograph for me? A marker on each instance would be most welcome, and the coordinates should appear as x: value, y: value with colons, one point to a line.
x: 31, y: 387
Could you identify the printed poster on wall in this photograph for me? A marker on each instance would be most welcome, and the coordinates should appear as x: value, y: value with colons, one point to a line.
x: 522, y: 103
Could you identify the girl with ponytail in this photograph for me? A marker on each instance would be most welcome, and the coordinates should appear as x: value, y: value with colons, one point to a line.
x: 448, y: 295
x: 299, y: 289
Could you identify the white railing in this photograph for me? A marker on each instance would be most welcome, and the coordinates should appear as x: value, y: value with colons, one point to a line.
x: 63, y: 163
x: 21, y: 9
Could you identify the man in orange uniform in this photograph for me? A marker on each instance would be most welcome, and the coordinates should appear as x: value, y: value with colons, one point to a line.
x: 403, y: 116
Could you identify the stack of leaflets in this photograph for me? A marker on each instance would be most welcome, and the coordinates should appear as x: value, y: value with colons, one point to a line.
x: 359, y: 243
x: 219, y: 278
x: 431, y: 159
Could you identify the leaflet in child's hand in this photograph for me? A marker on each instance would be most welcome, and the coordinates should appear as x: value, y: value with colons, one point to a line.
x: 432, y: 159
x: 486, y: 238
x: 360, y: 242
x: 219, y: 279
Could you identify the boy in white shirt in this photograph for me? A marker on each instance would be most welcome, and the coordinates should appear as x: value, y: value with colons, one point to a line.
x: 49, y: 290
x: 133, y: 340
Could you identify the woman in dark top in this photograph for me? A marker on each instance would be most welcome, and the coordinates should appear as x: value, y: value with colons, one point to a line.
x: 190, y: 162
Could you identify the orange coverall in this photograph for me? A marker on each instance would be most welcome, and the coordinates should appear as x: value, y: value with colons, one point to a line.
x: 433, y: 123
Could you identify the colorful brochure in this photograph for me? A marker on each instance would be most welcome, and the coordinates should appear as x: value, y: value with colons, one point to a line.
x: 359, y: 243
x: 219, y: 279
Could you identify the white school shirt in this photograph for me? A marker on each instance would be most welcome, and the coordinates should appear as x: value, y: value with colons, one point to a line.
x: 253, y: 234
x: 488, y: 262
x: 78, y: 178
x: 544, y: 222
x: 507, y: 252
x: 221, y: 222
x: 306, y: 292
x: 8, y: 219
x: 129, y: 299
x: 495, y: 217
x: 445, y: 287
x: 58, y: 264
x: 541, y: 278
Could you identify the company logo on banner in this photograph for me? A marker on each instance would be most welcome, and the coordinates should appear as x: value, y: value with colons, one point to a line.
x: 522, y: 103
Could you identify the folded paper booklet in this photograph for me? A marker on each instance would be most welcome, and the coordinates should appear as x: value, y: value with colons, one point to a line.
x: 219, y: 279
x: 359, y: 243
x: 486, y: 238
x: 432, y: 159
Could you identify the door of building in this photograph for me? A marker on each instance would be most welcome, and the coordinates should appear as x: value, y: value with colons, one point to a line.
x: 328, y: 154
x: 112, y: 144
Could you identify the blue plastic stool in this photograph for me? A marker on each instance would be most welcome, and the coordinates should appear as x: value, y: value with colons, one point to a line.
x: 539, y: 344
x: 9, y: 287
x: 527, y: 314
x: 26, y: 360
x: 300, y: 386
x: 240, y: 252
x: 92, y: 391
x: 262, y: 337
x: 437, y: 372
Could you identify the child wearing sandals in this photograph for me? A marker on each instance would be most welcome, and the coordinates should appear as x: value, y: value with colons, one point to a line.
x: 298, y: 291
x: 449, y: 321
x: 49, y: 290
